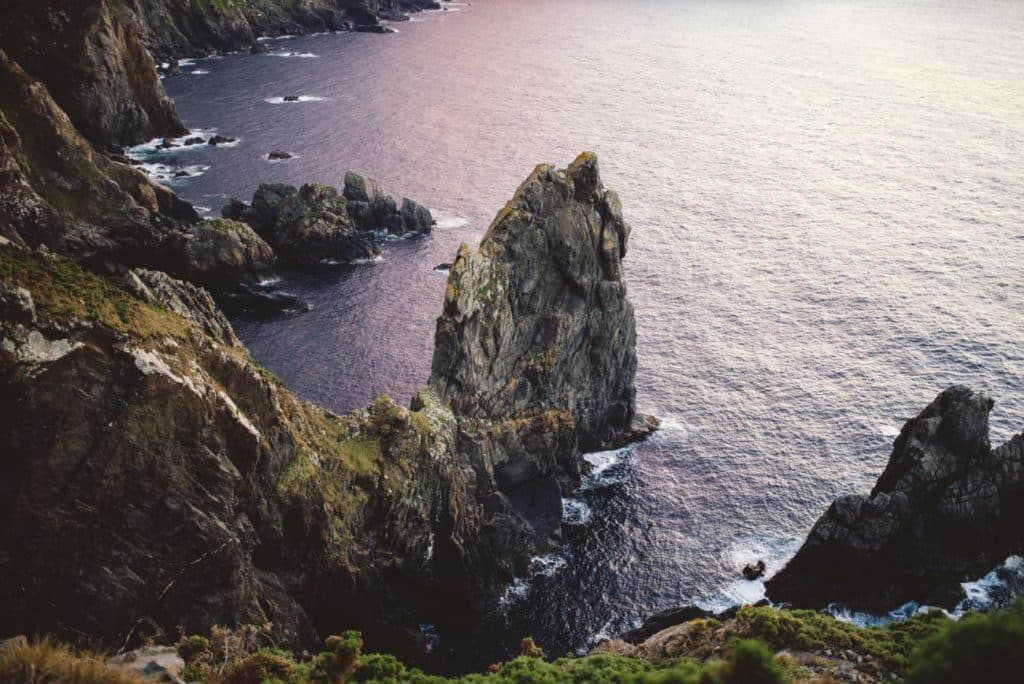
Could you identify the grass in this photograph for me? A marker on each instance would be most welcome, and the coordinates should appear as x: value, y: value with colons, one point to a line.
x: 64, y: 291
x: 47, y: 662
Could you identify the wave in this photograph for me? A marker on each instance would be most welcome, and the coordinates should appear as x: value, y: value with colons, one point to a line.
x: 575, y: 512
x: 304, y: 55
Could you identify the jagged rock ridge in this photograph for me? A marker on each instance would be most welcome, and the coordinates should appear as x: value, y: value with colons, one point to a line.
x: 947, y: 509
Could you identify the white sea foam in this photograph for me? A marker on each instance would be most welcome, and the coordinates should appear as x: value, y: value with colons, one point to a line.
x: 447, y: 221
x: 302, y: 98
x: 547, y: 565
x: 575, y: 512
x: 199, y: 72
x: 603, y: 471
x: 304, y: 55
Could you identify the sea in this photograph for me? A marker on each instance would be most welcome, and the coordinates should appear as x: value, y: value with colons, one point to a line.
x: 827, y: 202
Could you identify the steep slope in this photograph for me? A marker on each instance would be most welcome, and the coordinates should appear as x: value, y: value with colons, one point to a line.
x: 92, y: 60
x: 155, y: 478
x: 947, y: 509
x: 57, y: 191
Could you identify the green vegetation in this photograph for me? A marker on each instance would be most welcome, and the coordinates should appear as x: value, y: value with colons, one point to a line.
x: 986, y: 647
x: 807, y: 630
x: 63, y: 290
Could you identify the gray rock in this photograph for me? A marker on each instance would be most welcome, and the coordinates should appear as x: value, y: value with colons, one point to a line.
x: 947, y: 508
x: 16, y: 304
x: 537, y: 319
x: 155, y: 663
x: 372, y: 209
x: 221, y: 253
x: 309, y: 225
x: 12, y: 644
x: 185, y: 299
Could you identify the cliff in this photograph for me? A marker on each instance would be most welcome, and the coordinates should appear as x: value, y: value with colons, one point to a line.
x: 156, y: 478
x: 947, y: 509
x: 96, y: 57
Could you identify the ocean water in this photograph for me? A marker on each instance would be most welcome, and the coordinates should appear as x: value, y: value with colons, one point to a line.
x: 827, y: 201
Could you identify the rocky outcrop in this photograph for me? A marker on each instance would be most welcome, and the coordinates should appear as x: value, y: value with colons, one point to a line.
x: 948, y: 508
x: 155, y: 478
x: 371, y: 209
x: 91, y: 59
x: 535, y: 348
x: 315, y: 223
x: 537, y: 319
x: 221, y: 253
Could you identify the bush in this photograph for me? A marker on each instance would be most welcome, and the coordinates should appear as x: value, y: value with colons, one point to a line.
x: 752, y: 663
x: 981, y: 648
x: 378, y: 667
x: 261, y: 666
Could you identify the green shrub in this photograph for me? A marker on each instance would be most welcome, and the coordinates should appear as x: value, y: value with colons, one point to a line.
x: 980, y: 648
x: 261, y: 666
x: 752, y: 663
x: 379, y: 667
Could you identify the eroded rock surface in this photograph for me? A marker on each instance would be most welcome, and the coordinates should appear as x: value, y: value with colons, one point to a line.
x: 537, y: 319
x: 948, y: 508
x: 316, y: 223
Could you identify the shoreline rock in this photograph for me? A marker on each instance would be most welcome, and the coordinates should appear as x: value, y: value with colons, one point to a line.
x: 947, y: 508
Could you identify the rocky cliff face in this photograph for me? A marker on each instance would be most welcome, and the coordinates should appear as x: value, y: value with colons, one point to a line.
x: 948, y: 508
x: 537, y: 319
x: 91, y: 58
x: 57, y: 191
x: 155, y: 478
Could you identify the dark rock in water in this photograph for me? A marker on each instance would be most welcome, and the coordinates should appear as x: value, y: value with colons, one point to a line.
x: 372, y: 209
x: 947, y: 508
x: 752, y: 571
x: 196, y: 140
x: 221, y: 254
x: 257, y: 48
x: 220, y: 140
x: 260, y: 302
x: 443, y: 267
x: 235, y: 209
x: 308, y: 225
x: 279, y: 155
x: 291, y: 98
x: 372, y: 28
x: 663, y: 620
x: 166, y: 144
x: 182, y: 174
x: 537, y: 319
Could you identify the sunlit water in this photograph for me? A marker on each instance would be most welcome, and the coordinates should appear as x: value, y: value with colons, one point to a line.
x: 827, y: 208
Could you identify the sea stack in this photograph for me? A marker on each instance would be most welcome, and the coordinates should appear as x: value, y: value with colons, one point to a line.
x: 537, y: 319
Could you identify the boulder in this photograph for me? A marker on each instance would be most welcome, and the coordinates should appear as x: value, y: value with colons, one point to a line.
x: 947, y: 508
x: 220, y: 140
x: 278, y: 155
x: 151, y: 663
x: 753, y: 571
x: 372, y: 209
x: 221, y: 253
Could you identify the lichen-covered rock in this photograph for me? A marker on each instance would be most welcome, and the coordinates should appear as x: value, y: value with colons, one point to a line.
x: 222, y: 253
x: 155, y: 478
x: 91, y: 59
x: 315, y: 223
x: 55, y: 190
x: 371, y: 209
x: 537, y: 319
x: 192, y: 303
x: 947, y: 508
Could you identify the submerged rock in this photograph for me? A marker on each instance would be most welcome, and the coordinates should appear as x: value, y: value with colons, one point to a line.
x: 948, y: 508
x: 278, y: 155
